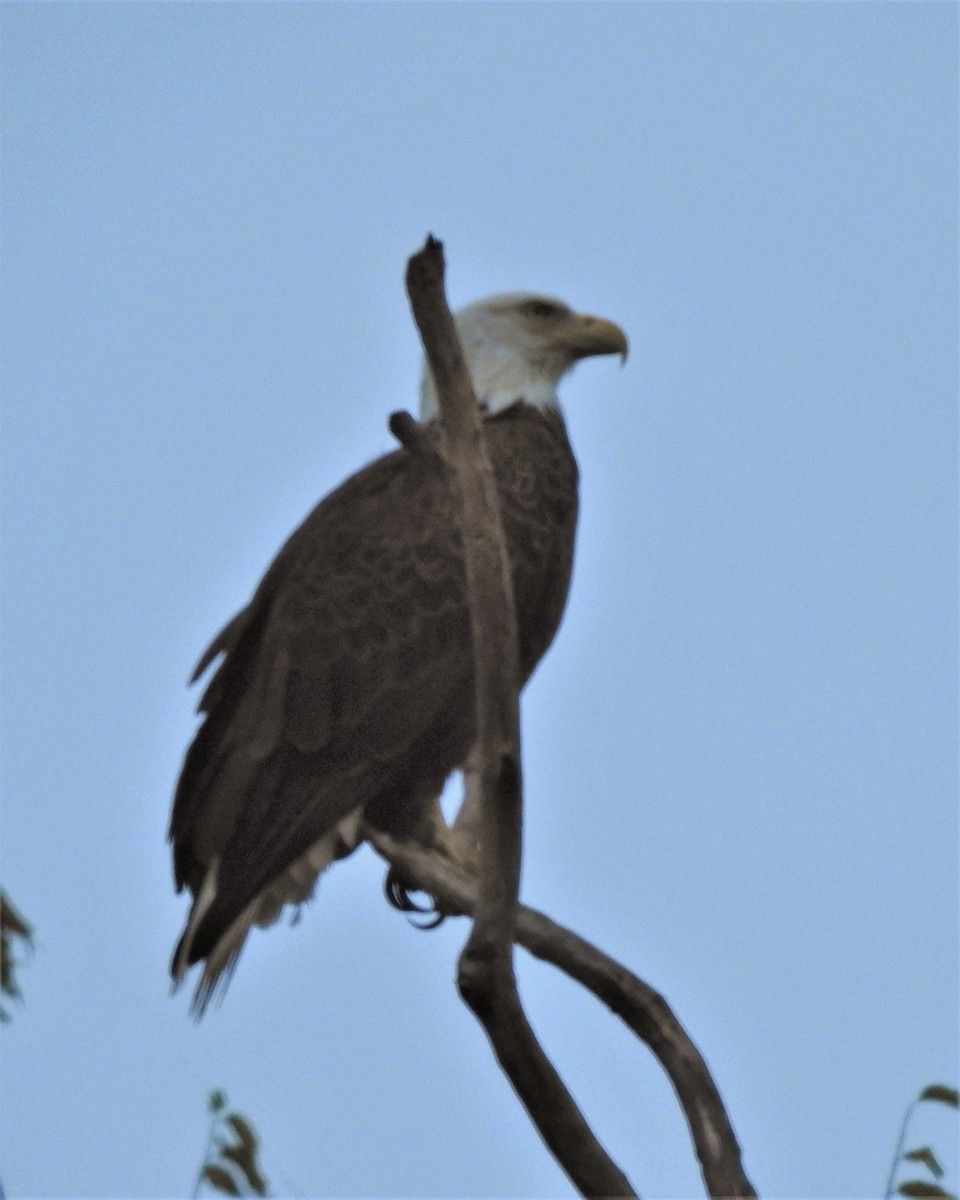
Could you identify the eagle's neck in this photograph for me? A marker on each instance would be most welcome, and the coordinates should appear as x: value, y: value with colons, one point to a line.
x: 538, y: 394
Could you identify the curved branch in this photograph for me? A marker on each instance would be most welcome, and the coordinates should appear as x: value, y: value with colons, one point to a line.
x: 640, y: 1007
x: 485, y: 977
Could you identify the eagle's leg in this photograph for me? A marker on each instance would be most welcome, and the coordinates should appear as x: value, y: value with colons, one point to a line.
x: 458, y: 842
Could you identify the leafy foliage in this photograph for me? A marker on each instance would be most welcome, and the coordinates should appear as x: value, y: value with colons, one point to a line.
x: 941, y: 1094
x: 221, y: 1180
x: 926, y: 1156
x: 230, y: 1166
x: 13, y: 926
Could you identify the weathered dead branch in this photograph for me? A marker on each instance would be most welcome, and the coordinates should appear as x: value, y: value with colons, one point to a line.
x: 485, y: 977
x: 640, y: 1007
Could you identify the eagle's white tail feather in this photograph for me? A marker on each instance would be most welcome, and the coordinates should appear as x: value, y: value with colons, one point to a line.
x: 205, y: 897
x: 294, y: 886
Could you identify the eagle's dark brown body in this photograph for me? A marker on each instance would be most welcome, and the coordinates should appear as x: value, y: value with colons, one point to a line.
x: 347, y: 683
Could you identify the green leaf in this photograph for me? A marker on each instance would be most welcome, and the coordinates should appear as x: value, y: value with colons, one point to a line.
x: 244, y: 1131
x: 216, y: 1101
x: 244, y: 1153
x: 12, y: 925
x: 12, y: 921
x: 244, y: 1159
x: 921, y: 1188
x: 222, y: 1180
x: 926, y: 1156
x: 941, y: 1093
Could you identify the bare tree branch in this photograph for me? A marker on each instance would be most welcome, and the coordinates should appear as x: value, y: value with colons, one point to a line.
x: 493, y: 622
x: 640, y: 1007
x: 485, y: 977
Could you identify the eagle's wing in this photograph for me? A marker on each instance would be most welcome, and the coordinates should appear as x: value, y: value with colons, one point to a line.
x: 345, y: 684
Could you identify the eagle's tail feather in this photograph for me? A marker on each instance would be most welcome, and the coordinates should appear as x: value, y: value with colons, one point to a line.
x: 205, y: 938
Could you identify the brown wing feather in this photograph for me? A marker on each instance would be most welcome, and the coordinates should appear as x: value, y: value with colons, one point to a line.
x: 347, y: 681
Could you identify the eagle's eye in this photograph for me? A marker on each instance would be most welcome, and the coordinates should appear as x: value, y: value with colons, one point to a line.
x: 543, y: 308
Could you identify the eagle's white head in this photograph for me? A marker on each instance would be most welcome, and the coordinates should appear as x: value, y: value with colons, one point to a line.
x: 519, y: 346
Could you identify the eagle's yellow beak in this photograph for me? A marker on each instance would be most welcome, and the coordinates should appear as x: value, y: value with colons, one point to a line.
x: 588, y: 335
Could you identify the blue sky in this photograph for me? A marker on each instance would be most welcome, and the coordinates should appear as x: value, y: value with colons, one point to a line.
x: 741, y: 751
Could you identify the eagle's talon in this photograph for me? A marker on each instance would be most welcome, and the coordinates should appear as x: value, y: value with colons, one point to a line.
x: 399, y: 896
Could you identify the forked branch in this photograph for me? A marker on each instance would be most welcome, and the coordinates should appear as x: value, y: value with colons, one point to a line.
x: 640, y: 1007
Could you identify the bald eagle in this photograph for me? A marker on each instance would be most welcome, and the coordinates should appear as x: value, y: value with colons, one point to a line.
x: 345, y: 687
